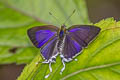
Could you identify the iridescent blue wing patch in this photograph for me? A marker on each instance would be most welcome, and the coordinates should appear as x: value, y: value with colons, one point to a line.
x: 83, y: 34
x: 42, y: 34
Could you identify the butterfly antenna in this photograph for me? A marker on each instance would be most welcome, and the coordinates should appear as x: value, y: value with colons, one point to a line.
x: 69, y: 16
x: 54, y: 17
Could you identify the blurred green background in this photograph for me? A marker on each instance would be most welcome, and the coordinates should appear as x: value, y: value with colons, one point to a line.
x: 97, y: 10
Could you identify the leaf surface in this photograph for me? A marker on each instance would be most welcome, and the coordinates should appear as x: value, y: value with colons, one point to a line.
x: 99, y: 61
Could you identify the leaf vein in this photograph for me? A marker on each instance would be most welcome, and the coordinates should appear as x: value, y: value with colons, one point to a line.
x: 90, y: 68
x: 100, y: 49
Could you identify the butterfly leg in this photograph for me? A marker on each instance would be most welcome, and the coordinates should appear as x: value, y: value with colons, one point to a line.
x: 50, y: 61
x: 50, y: 68
x: 63, y: 66
x: 63, y: 62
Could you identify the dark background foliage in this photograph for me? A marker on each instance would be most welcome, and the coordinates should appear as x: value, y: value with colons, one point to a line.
x: 101, y: 9
x: 97, y: 10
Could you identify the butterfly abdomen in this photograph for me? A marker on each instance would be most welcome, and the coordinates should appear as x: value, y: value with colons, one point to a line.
x: 61, y: 44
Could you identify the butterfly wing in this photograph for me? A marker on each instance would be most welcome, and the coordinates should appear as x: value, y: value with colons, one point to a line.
x: 77, y: 38
x: 44, y: 37
x: 41, y: 34
x: 83, y: 34
x: 71, y: 48
x: 49, y: 51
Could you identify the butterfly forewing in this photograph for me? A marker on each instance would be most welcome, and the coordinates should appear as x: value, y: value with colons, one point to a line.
x: 41, y: 34
x: 83, y: 34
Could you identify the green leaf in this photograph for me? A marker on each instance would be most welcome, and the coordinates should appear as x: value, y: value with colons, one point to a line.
x: 99, y: 61
x: 39, y: 10
x: 16, y: 38
x: 20, y: 56
x: 10, y: 18
x: 17, y: 16
x: 13, y: 36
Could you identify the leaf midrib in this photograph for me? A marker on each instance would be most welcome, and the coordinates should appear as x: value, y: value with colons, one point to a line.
x: 100, y: 49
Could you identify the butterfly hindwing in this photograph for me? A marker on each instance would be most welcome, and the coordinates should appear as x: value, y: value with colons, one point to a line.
x: 50, y: 49
x: 71, y: 47
x: 41, y: 34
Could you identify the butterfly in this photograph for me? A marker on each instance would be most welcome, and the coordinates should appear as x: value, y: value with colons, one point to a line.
x: 67, y: 43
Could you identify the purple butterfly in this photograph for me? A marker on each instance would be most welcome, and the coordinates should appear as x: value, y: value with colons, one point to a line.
x: 68, y: 43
